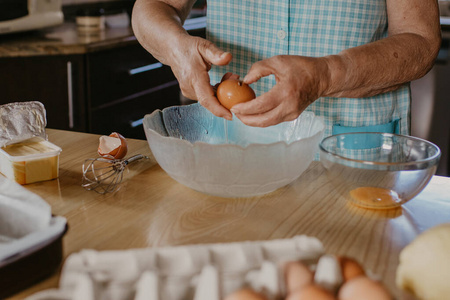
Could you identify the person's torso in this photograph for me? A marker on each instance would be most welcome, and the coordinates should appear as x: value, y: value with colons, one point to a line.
x: 253, y: 30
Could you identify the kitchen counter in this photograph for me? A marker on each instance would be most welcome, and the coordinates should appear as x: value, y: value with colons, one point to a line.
x: 67, y: 40
x: 151, y: 209
x: 85, y: 81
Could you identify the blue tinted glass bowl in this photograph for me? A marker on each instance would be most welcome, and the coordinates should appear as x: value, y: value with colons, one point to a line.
x: 365, y: 167
x: 228, y: 158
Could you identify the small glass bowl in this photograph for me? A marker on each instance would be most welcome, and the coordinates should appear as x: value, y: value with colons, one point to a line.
x: 378, y: 170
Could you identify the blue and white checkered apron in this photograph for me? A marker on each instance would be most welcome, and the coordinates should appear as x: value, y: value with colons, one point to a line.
x: 253, y: 30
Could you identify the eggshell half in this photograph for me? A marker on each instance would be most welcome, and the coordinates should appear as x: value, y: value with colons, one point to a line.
x: 114, y: 146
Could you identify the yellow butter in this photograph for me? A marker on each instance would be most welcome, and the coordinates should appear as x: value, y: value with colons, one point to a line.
x: 30, y: 161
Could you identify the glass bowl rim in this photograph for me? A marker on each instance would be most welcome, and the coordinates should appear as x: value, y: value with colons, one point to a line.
x: 231, y: 145
x: 372, y: 163
x: 203, y: 143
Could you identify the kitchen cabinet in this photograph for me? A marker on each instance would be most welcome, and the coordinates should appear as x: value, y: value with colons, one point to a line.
x: 56, y: 81
x: 123, y: 85
x: 100, y: 87
x: 98, y: 92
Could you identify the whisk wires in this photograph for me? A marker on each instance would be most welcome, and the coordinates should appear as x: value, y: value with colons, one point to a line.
x: 104, y: 175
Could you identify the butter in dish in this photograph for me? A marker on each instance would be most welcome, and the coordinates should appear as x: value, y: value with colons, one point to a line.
x: 25, y: 154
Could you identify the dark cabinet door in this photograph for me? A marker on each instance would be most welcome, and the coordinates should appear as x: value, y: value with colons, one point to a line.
x: 56, y: 81
x: 124, y: 84
x: 126, y: 117
x: 99, y: 91
x: 116, y: 74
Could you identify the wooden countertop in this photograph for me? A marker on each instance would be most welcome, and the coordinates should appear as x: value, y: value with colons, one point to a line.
x: 67, y: 40
x: 151, y: 209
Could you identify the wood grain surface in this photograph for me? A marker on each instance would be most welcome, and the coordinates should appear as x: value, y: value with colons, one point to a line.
x: 151, y: 209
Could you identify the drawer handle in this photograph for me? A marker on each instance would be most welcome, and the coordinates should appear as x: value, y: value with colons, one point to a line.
x: 136, y: 123
x: 145, y: 68
x: 70, y: 94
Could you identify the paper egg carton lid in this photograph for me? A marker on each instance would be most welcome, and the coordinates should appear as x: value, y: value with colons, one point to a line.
x: 198, y: 272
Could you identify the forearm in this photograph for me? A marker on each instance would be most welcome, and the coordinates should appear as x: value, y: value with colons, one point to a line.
x: 158, y: 26
x: 381, y: 66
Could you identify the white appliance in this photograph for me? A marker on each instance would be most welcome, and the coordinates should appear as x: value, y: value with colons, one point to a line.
x: 23, y: 15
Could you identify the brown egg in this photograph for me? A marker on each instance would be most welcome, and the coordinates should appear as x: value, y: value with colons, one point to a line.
x: 245, y: 294
x: 350, y: 268
x: 233, y: 91
x: 297, y: 275
x: 311, y: 292
x: 114, y: 146
x: 365, y: 288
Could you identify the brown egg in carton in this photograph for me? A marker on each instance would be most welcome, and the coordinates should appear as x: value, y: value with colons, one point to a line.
x: 257, y: 270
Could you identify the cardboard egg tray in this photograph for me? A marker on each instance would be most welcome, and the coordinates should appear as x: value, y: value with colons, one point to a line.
x: 198, y: 272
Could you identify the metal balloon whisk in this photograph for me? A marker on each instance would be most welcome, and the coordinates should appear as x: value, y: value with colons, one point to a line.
x: 104, y: 175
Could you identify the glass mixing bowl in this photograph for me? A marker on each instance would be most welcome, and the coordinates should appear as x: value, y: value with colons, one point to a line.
x: 228, y: 158
x: 378, y: 170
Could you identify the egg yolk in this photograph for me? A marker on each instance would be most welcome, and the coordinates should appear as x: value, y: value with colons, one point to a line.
x: 375, y: 197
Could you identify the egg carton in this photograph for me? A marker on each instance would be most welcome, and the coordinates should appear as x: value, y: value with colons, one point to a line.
x: 197, y: 272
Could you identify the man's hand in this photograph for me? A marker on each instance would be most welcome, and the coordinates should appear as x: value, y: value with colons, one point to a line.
x: 299, y: 82
x: 191, y: 62
x: 157, y: 24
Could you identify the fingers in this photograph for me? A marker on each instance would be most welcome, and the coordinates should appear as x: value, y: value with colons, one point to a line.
x: 270, y: 108
x: 265, y: 120
x: 214, y: 55
x: 271, y: 117
x: 205, y: 93
x: 261, y: 104
x: 206, y: 97
x: 259, y: 70
x: 192, y: 74
x: 266, y: 110
x: 229, y: 75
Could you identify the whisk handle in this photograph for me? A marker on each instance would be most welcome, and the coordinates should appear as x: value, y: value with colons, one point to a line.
x: 134, y: 158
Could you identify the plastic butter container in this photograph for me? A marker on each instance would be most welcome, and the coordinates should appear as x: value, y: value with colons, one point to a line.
x: 29, y: 161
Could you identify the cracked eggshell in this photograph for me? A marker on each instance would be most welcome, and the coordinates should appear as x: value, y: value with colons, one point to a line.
x: 114, y: 146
